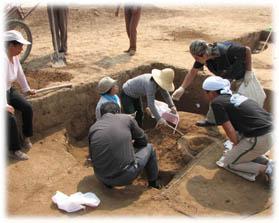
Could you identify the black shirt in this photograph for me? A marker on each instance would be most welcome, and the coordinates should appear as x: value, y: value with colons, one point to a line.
x: 247, y: 118
x: 231, y: 62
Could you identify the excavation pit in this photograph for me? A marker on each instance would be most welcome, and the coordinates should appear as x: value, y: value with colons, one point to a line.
x: 61, y: 123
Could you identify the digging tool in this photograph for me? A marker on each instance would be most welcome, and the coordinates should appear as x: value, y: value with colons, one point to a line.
x: 58, y: 59
x: 54, y: 88
x: 175, y: 129
x: 269, y: 35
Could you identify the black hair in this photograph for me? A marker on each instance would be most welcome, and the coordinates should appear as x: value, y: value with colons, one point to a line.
x: 109, y: 107
x: 13, y: 42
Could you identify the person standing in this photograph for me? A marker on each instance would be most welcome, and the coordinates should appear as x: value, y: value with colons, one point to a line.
x: 14, y: 42
x: 59, y: 30
x: 246, y: 124
x: 119, y: 149
x: 225, y: 59
x: 132, y: 16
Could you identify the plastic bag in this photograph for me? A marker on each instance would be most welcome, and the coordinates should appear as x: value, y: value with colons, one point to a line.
x: 76, y: 201
x: 253, y: 90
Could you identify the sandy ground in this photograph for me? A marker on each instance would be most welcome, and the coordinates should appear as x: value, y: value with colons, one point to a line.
x: 96, y: 43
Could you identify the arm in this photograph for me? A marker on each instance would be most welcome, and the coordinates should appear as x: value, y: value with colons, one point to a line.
x: 167, y: 97
x: 189, y: 78
x: 186, y: 82
x: 140, y: 139
x: 21, y: 79
x: 248, y: 59
x: 230, y: 131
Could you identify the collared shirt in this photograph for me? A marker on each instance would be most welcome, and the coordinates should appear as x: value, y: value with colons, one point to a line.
x: 110, y: 143
x: 142, y: 85
x: 14, y: 73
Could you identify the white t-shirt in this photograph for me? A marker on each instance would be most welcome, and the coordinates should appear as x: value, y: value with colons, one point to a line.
x: 14, y: 73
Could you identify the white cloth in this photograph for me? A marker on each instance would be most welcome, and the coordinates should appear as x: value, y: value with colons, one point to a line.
x: 253, y: 90
x: 215, y: 83
x: 14, y: 73
x: 76, y: 201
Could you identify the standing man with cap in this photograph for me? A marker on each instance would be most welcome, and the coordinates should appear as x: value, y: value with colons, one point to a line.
x: 119, y: 149
x: 147, y: 85
x: 247, y: 125
x: 226, y: 59
x: 14, y: 42
x: 108, y: 90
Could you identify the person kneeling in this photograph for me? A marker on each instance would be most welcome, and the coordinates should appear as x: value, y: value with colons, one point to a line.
x: 247, y: 125
x: 119, y: 150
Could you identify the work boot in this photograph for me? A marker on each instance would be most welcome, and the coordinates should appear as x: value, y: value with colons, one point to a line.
x: 204, y: 123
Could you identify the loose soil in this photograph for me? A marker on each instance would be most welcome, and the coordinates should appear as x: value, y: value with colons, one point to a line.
x: 96, y: 42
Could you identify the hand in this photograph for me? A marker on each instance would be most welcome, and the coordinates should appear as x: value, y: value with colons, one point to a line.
x: 10, y: 109
x: 248, y: 77
x: 31, y: 92
x: 178, y: 93
x: 161, y: 121
x: 173, y: 110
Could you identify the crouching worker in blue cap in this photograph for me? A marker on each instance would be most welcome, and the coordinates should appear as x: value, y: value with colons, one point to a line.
x: 119, y: 149
x: 246, y: 124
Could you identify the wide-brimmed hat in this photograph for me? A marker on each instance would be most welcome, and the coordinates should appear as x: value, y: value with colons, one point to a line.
x: 105, y: 84
x: 164, y: 78
x: 13, y: 35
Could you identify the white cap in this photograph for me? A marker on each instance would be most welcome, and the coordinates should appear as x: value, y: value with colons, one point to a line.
x: 13, y: 35
x: 215, y: 83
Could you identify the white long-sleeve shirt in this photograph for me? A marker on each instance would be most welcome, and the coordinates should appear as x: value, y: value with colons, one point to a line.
x: 14, y: 73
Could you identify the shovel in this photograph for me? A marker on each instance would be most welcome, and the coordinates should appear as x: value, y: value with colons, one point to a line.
x: 58, y: 59
x: 53, y: 88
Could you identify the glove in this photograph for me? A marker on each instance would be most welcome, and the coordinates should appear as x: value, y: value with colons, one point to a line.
x: 173, y: 110
x: 161, y: 121
x: 178, y: 93
x: 248, y: 77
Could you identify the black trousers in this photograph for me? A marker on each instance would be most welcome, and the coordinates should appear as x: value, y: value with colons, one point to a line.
x: 131, y: 105
x: 14, y: 142
x: 20, y: 103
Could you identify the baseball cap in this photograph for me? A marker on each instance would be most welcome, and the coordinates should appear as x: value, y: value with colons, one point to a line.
x: 13, y: 35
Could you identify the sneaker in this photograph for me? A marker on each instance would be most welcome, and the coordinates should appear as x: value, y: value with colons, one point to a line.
x: 27, y: 143
x: 20, y: 155
x: 269, y: 171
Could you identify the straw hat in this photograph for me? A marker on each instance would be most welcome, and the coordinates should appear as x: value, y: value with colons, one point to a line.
x: 164, y: 78
x: 105, y: 84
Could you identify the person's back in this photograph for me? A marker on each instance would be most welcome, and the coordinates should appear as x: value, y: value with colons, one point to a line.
x: 246, y: 115
x: 119, y: 149
x: 112, y: 144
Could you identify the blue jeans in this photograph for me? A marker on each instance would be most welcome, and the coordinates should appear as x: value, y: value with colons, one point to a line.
x: 145, y: 159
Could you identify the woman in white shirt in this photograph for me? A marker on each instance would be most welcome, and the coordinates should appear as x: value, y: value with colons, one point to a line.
x: 14, y: 42
x: 108, y: 90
